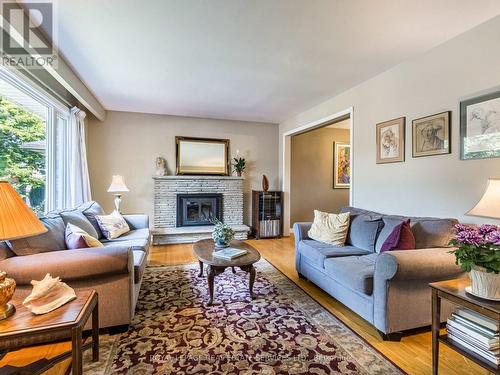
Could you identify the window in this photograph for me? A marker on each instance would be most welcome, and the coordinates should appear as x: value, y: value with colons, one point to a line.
x: 33, y: 143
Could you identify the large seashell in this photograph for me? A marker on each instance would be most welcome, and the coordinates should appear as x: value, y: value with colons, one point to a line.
x: 48, y: 294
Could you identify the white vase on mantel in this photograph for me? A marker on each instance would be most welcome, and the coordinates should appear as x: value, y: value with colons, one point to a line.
x: 485, y: 284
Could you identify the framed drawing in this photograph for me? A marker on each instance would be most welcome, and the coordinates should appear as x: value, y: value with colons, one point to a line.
x: 480, y: 127
x: 391, y: 141
x: 431, y: 135
x: 202, y: 156
x: 341, y: 165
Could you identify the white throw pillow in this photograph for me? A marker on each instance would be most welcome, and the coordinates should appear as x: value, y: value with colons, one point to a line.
x: 113, y: 225
x: 330, y: 228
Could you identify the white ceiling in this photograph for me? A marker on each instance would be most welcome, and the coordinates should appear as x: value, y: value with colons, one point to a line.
x: 257, y: 60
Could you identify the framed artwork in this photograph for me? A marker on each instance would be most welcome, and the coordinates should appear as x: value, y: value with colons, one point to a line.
x: 341, y: 165
x: 202, y: 156
x: 391, y: 141
x: 480, y: 127
x: 431, y: 135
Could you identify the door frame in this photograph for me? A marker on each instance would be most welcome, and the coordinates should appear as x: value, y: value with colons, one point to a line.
x: 287, y: 158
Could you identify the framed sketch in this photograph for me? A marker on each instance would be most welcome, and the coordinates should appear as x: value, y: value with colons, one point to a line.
x: 341, y: 165
x: 391, y: 141
x: 431, y: 135
x: 202, y: 156
x: 480, y: 127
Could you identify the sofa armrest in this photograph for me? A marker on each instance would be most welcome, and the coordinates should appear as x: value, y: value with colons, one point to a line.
x: 137, y: 221
x: 70, y: 264
x: 300, y: 233
x: 420, y: 264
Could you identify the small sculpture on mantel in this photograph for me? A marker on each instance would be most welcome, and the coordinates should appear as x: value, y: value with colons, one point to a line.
x: 265, y: 183
x: 161, y: 167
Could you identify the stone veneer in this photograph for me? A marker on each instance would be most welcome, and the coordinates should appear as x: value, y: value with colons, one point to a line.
x: 166, y: 188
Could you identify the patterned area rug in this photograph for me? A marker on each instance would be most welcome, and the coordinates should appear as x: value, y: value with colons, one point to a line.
x: 283, y: 331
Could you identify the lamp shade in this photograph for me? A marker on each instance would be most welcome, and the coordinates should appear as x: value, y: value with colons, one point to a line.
x: 17, y: 220
x: 489, y: 204
x: 117, y: 185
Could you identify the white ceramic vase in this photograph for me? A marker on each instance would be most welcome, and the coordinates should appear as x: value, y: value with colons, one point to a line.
x: 485, y: 284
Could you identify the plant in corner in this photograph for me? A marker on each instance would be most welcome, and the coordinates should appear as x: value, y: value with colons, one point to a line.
x: 239, y: 165
x: 478, y: 253
x: 223, y: 234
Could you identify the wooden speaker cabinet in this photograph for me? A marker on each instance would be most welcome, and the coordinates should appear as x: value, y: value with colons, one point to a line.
x: 267, y: 214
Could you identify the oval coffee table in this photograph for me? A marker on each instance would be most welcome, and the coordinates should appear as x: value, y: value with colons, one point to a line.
x: 204, y: 249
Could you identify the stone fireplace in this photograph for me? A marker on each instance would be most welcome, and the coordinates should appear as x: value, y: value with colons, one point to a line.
x: 183, y: 205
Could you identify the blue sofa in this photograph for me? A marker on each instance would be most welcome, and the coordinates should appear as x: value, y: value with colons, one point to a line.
x: 390, y: 289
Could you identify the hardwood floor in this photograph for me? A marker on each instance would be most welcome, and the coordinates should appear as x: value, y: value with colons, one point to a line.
x: 412, y: 354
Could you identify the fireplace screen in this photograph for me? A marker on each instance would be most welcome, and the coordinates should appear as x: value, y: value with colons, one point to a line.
x: 198, y: 209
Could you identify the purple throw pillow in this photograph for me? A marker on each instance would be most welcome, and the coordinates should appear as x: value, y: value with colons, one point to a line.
x: 392, y: 240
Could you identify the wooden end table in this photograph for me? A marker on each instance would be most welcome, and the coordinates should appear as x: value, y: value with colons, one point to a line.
x: 204, y: 249
x: 25, y: 329
x: 454, y: 291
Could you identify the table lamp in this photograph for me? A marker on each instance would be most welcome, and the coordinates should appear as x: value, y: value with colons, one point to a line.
x: 117, y: 187
x: 489, y: 204
x: 16, y: 221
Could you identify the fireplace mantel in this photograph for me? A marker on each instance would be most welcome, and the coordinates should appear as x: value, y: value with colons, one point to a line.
x: 166, y: 190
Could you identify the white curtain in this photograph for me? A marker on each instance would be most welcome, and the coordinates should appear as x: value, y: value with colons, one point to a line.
x: 79, y: 182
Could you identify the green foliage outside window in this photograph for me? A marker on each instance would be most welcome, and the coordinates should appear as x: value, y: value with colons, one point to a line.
x: 23, y: 167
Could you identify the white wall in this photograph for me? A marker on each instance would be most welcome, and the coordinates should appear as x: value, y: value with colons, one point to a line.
x: 127, y: 143
x: 434, y: 82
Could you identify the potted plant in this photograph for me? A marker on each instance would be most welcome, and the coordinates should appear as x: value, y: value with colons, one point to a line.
x: 478, y: 253
x: 239, y: 165
x: 223, y: 234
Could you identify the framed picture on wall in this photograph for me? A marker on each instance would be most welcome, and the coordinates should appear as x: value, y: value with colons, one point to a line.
x: 202, y: 156
x: 431, y: 135
x: 480, y: 127
x: 341, y: 165
x: 391, y: 141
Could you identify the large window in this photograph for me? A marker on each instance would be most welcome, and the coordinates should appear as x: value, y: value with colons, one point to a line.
x: 33, y: 143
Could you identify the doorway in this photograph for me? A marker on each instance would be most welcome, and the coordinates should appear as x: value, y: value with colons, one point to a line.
x: 317, y: 167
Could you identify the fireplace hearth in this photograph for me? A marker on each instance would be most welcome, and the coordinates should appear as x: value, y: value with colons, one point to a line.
x: 198, y: 209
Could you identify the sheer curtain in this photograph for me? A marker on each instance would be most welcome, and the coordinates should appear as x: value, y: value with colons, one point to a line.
x: 79, y: 182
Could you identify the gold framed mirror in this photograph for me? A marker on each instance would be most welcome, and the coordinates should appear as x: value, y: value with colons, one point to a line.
x: 202, y: 156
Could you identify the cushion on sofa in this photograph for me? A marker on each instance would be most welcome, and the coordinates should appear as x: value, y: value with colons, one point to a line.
x: 329, y: 228
x: 432, y: 232
x: 91, y: 210
x: 316, y: 252
x: 134, y: 234
x: 139, y: 244
x: 139, y: 265
x: 78, y: 219
x: 52, y: 240
x: 354, y: 272
x: 77, y: 238
x: 390, y: 224
x: 112, y: 225
x: 5, y: 251
x: 363, y: 231
x: 68, y: 264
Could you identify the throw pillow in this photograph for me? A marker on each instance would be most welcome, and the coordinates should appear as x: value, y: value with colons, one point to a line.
x: 91, y: 210
x: 78, y: 219
x: 401, y: 238
x: 363, y: 231
x: 52, y: 240
x: 113, y: 225
x: 330, y: 228
x: 77, y: 238
x: 390, y: 224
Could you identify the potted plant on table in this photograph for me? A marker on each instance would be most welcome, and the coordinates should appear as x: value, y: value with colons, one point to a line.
x: 478, y: 253
x: 223, y: 234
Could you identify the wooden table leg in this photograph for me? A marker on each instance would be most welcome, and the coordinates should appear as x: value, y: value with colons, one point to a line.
x: 252, y: 280
x: 210, y: 278
x: 201, y: 268
x: 76, y: 350
x: 436, y: 320
x: 95, y: 333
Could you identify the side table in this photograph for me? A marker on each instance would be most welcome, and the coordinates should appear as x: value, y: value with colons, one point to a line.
x: 25, y: 329
x: 454, y: 291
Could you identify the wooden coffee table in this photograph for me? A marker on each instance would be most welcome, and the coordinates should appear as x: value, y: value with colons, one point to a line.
x: 204, y: 249
x: 25, y: 329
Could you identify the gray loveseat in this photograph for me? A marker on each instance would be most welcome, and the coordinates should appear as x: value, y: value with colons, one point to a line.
x: 114, y: 271
x: 390, y: 289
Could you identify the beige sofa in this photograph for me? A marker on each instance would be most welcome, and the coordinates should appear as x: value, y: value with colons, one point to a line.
x: 114, y: 271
